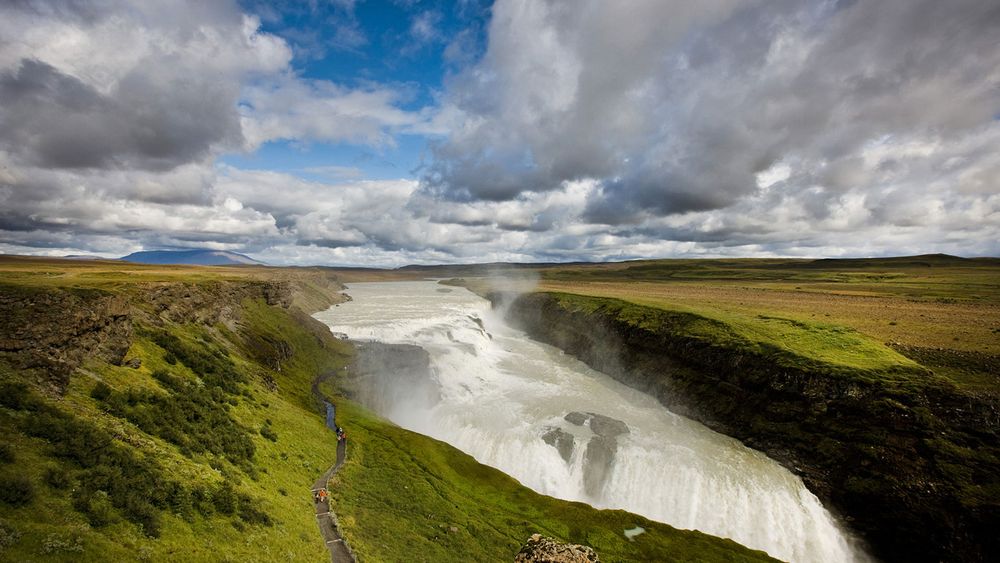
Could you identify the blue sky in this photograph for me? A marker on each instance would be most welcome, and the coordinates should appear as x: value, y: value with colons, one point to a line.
x: 385, y: 133
x: 354, y: 44
x: 386, y: 42
x: 402, y: 160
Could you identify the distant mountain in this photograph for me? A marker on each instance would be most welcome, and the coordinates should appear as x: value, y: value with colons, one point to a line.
x: 195, y: 257
x: 84, y: 257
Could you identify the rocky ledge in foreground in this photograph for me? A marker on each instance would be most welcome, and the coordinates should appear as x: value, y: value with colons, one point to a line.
x: 540, y: 549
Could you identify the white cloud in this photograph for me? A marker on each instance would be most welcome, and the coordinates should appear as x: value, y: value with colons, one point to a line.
x: 424, y: 27
x: 591, y: 130
x: 292, y: 108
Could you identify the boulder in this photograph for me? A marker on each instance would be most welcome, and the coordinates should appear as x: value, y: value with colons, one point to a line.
x: 599, y: 424
x: 561, y: 440
x: 541, y: 549
x: 606, y: 426
x: 600, y: 453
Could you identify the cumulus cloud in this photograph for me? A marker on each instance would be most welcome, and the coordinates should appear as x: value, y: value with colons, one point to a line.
x: 291, y: 108
x: 113, y: 114
x: 56, y: 120
x: 424, y: 27
x: 84, y: 87
x: 585, y: 130
x: 678, y: 109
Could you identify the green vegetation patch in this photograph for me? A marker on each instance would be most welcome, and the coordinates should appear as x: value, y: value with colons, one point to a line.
x: 191, y: 456
x: 208, y: 360
x: 795, y: 343
x: 192, y: 416
x: 95, y: 463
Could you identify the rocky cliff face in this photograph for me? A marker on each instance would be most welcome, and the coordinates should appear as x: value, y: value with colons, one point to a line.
x: 909, y: 466
x: 54, y: 330
x: 209, y: 303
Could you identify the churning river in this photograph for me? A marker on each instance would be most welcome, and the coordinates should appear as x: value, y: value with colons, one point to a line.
x: 568, y: 431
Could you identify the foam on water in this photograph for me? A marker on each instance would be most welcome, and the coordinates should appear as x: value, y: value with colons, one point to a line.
x: 498, y: 393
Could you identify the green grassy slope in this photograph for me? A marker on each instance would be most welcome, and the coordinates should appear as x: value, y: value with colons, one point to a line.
x: 795, y: 343
x: 201, y: 505
x: 942, y: 312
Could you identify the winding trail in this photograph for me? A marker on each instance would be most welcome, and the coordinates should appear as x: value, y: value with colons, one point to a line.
x: 340, y: 552
x: 327, y: 520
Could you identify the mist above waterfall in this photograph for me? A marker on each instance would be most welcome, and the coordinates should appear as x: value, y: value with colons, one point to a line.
x: 448, y: 366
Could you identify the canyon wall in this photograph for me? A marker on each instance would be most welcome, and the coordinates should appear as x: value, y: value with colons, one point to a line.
x: 904, y: 458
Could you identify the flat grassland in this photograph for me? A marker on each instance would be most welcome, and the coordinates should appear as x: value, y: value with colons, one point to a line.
x: 59, y: 272
x: 940, y: 311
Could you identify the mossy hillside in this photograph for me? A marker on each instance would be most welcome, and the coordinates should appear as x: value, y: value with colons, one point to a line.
x: 315, y: 350
x: 957, y: 339
x: 402, y: 496
x: 794, y: 343
x: 267, y: 516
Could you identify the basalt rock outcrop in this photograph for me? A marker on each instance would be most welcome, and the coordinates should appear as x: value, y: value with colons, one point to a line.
x: 384, y: 376
x: 562, y: 441
x: 209, y: 303
x: 541, y: 549
x: 906, y: 459
x: 54, y: 330
x: 601, y: 447
x: 603, y: 426
x: 599, y: 457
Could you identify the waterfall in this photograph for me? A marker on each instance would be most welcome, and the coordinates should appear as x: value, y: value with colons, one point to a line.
x: 563, y: 429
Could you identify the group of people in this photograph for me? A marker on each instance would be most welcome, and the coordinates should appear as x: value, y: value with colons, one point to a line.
x: 322, y: 494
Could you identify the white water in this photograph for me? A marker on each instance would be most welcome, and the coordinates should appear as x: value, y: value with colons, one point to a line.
x: 500, y: 392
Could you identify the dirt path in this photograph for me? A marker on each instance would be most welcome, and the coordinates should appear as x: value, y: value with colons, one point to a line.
x: 340, y: 552
x: 327, y: 520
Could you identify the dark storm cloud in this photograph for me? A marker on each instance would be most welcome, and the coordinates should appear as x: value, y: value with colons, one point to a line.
x: 117, y: 84
x: 12, y: 221
x: 54, y: 120
x: 330, y: 243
